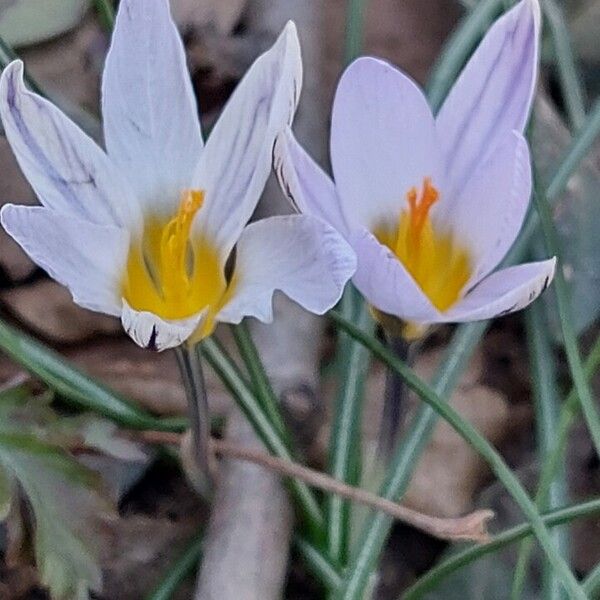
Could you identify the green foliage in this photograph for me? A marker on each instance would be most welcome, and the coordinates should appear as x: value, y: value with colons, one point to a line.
x: 63, y: 497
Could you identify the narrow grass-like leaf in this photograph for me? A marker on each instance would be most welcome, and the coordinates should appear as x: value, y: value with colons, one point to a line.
x: 546, y: 403
x: 75, y: 386
x: 434, y: 576
x: 480, y: 445
x: 458, y: 49
x: 318, y: 563
x: 179, y: 570
x: 106, y: 12
x: 570, y: 81
x: 228, y: 372
x: 588, y: 405
x: 353, y: 43
x: 258, y: 378
x: 344, y: 445
x: 591, y: 584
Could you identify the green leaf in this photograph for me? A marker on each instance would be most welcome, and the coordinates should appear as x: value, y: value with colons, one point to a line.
x: 65, y: 504
x: 576, y: 217
x: 6, y: 491
x: 26, y: 22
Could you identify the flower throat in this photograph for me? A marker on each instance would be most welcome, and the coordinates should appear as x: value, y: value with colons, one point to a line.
x: 170, y: 271
x: 436, y: 262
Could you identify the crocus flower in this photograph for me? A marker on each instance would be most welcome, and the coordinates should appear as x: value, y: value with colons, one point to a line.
x: 431, y: 205
x: 154, y: 230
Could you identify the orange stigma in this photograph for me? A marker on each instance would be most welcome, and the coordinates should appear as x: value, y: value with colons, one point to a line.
x: 418, y: 209
x: 438, y: 264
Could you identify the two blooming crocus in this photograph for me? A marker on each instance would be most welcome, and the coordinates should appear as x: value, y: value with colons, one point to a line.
x: 154, y: 230
x: 432, y: 205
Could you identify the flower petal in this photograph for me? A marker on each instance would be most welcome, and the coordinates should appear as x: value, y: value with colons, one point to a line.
x: 237, y: 160
x: 150, y: 331
x: 504, y: 292
x: 492, y: 95
x: 302, y: 256
x: 68, y: 171
x: 151, y: 124
x: 88, y: 259
x: 308, y: 187
x: 382, y: 279
x: 383, y: 142
x: 487, y: 216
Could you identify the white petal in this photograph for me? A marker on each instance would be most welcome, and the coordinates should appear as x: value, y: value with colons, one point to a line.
x: 493, y: 94
x: 151, y: 123
x: 307, y: 186
x: 382, y: 279
x: 488, y: 214
x: 67, y: 170
x: 88, y: 259
x: 237, y: 159
x: 150, y: 331
x: 383, y: 142
x: 504, y: 292
x: 302, y: 256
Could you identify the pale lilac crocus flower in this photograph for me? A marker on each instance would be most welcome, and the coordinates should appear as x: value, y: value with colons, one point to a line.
x: 144, y: 231
x: 431, y: 205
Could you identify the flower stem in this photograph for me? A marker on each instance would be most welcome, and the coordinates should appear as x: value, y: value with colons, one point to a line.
x: 195, y: 391
x: 353, y: 591
x: 394, y: 399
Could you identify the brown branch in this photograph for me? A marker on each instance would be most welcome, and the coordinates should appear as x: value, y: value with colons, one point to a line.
x: 471, y: 527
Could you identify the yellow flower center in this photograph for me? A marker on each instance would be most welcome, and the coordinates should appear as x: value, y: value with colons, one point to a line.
x: 439, y: 265
x: 171, y: 272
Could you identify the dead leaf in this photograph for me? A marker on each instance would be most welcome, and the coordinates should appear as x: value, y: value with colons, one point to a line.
x: 47, y: 307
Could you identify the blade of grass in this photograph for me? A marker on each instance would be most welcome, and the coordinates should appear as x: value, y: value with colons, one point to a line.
x: 569, y: 411
x: 546, y: 403
x: 570, y: 81
x: 434, y: 576
x: 465, y: 340
x: 349, y: 589
x: 319, y: 564
x: 588, y: 405
x: 106, y: 11
x: 227, y: 371
x: 344, y: 444
x: 179, y: 570
x: 344, y: 455
x: 458, y: 48
x: 591, y: 584
x: 355, y: 16
x: 259, y: 379
x: 76, y: 387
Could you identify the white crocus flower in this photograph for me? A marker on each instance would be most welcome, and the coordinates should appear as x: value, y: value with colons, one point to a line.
x: 154, y: 230
x: 431, y: 205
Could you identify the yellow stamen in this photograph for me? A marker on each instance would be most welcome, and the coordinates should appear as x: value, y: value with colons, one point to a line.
x: 173, y: 273
x: 437, y: 263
